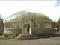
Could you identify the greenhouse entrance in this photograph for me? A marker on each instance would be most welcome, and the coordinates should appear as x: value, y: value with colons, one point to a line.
x: 26, y: 29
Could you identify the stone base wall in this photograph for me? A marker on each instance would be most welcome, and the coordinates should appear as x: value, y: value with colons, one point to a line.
x: 42, y: 31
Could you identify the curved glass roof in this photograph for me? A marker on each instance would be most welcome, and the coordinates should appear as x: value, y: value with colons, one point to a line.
x: 27, y: 15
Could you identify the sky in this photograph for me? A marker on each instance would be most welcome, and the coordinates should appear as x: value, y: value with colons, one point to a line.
x: 49, y: 8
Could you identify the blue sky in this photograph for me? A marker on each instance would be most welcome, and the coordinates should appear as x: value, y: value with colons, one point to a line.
x: 49, y: 8
x: 57, y: 3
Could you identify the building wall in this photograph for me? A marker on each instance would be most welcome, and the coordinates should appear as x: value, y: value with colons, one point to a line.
x: 13, y: 31
x: 12, y: 28
x: 1, y: 26
x: 18, y: 27
x: 58, y: 30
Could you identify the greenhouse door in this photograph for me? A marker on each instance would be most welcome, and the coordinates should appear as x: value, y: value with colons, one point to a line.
x: 27, y: 29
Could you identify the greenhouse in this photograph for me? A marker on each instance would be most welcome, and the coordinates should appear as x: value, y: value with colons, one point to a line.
x: 28, y: 23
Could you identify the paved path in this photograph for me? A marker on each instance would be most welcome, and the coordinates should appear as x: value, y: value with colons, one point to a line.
x: 42, y: 41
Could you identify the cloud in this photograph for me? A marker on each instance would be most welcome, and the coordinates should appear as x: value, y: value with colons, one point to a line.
x: 47, y: 7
